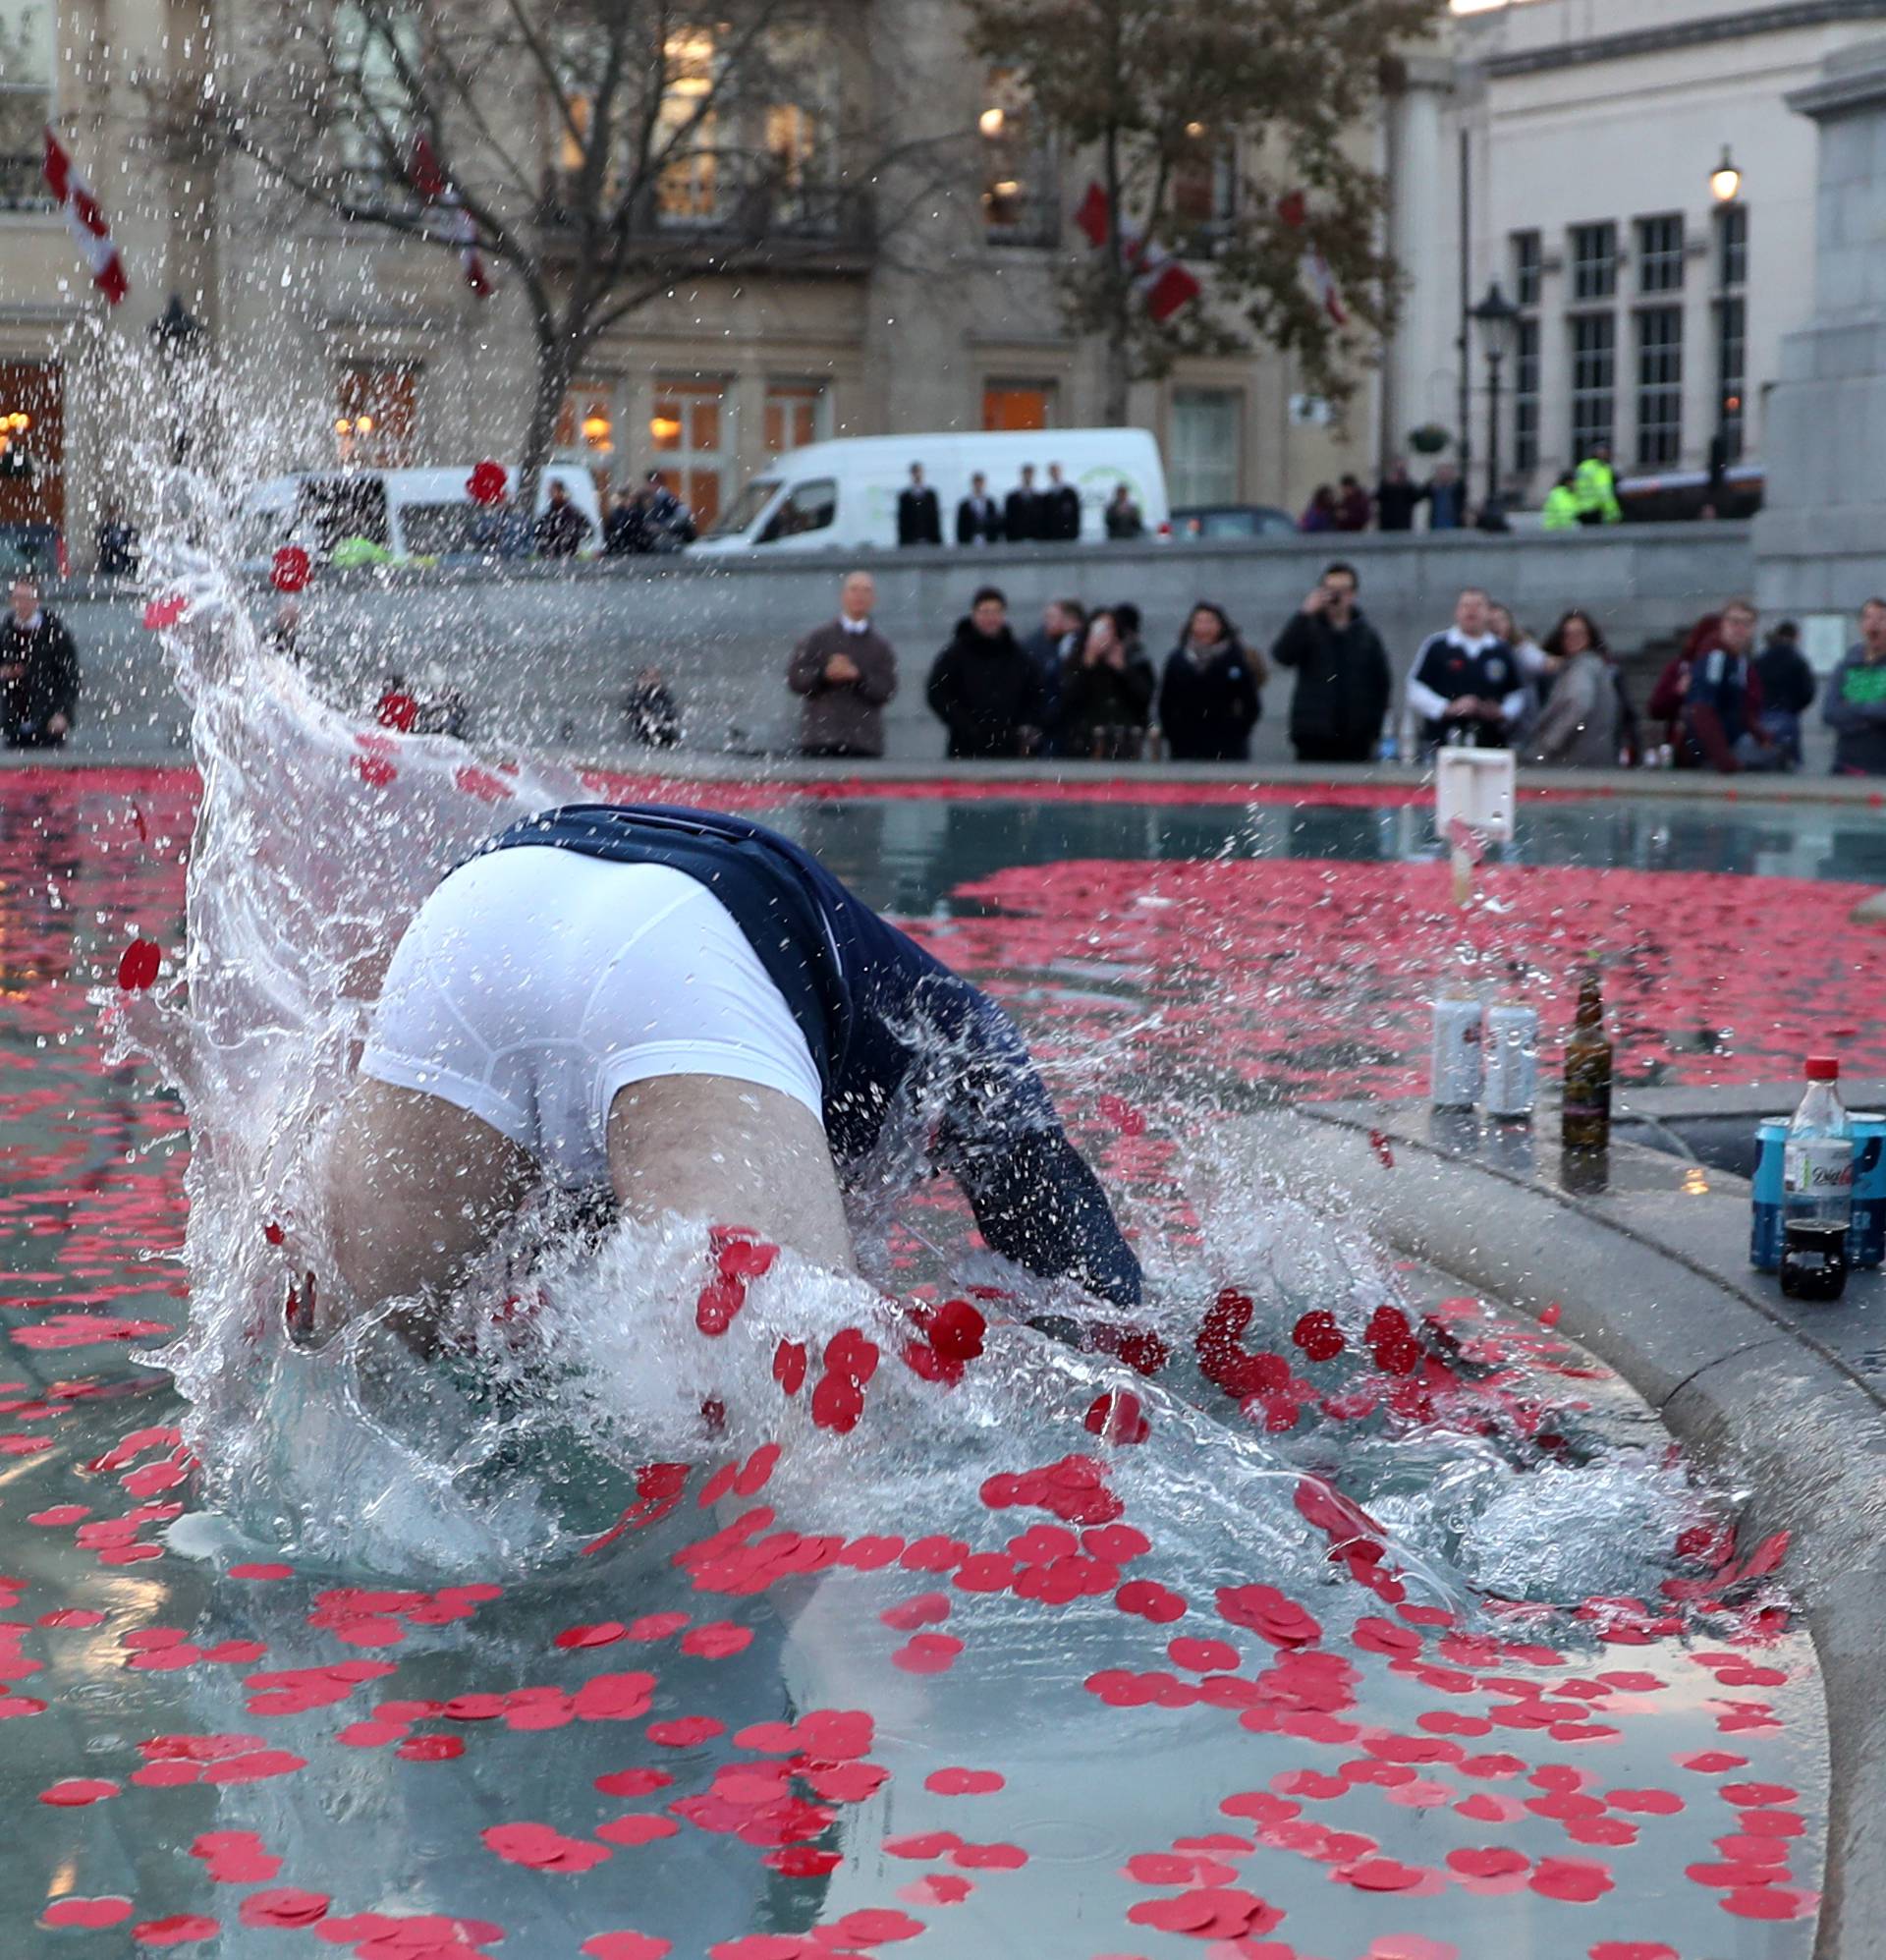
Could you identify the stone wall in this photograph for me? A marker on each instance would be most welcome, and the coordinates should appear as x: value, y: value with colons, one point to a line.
x: 543, y: 655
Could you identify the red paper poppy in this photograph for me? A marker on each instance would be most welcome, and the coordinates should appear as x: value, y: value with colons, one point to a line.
x: 137, y: 965
x: 487, y: 482
x: 285, y: 1907
x: 96, y: 1913
x: 179, y: 1929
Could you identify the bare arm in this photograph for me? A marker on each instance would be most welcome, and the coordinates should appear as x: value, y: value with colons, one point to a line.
x: 729, y: 1153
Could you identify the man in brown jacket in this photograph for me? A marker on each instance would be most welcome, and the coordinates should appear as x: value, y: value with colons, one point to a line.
x: 847, y: 671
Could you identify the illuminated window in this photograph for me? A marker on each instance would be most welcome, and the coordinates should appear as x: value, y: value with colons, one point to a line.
x: 376, y: 414
x: 688, y: 432
x: 797, y: 413
x: 31, y: 452
x: 685, y: 130
x: 1020, y: 194
x: 1018, y: 404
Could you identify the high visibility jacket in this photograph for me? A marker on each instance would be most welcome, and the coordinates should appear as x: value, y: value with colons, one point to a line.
x: 1596, y: 488
x: 1561, y: 510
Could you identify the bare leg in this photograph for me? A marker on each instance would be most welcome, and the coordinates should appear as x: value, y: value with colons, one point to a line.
x: 417, y: 1189
x: 730, y: 1153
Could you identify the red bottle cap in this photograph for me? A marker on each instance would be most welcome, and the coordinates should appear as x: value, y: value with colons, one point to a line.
x: 1822, y: 1068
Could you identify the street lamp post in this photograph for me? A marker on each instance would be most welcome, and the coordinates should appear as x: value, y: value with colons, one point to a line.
x: 1725, y: 186
x: 1496, y: 316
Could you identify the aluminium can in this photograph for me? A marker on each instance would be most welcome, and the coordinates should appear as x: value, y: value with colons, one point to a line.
x: 1455, y: 1074
x: 1510, y: 1053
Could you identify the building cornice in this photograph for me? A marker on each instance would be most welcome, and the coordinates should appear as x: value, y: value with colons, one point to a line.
x: 1770, y: 19
x: 1854, y: 79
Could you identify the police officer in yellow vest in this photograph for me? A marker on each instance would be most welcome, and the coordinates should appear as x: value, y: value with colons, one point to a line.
x: 1560, y: 511
x: 1595, y: 487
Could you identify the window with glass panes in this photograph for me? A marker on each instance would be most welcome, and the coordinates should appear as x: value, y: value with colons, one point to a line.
x: 797, y: 413
x: 1595, y: 376
x: 690, y: 431
x: 1731, y: 245
x: 1659, y: 385
x: 26, y: 63
x: 1204, y: 451
x: 1526, y: 396
x: 1528, y: 265
x: 1732, y: 369
x: 1594, y: 261
x: 1732, y: 330
x: 1660, y: 253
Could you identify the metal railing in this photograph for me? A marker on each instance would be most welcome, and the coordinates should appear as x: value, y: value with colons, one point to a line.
x: 810, y: 223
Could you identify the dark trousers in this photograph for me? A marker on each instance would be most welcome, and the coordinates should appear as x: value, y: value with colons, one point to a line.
x: 1321, y: 748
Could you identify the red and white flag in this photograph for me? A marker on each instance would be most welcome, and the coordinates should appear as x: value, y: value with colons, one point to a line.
x: 1293, y: 209
x: 432, y: 183
x: 90, y: 231
x: 1160, y: 279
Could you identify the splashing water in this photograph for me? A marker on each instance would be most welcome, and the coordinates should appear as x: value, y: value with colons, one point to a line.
x: 1290, y: 1539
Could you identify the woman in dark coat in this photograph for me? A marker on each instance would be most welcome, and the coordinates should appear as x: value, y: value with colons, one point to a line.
x: 1210, y: 700
x: 1106, y: 692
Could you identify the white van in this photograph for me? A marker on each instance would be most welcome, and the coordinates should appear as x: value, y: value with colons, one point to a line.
x: 405, y: 512
x: 839, y: 495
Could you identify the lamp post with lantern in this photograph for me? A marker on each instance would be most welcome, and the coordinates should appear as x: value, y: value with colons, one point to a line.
x: 1496, y: 316
x: 1725, y: 189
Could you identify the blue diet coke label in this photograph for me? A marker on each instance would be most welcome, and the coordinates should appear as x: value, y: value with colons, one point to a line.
x: 1866, y: 1241
x: 1764, y: 1236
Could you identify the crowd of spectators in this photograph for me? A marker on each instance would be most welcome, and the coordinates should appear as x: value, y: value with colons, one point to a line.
x: 1586, y: 495
x: 1087, y: 685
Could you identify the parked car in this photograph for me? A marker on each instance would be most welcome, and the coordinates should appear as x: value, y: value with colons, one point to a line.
x: 1232, y: 521
x: 407, y: 513
x: 37, y: 548
x: 842, y: 495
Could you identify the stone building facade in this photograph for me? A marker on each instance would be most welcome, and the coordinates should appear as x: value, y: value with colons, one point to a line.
x: 333, y: 342
x: 1565, y: 148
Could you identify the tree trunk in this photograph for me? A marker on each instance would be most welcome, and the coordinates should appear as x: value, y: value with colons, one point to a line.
x: 554, y: 364
x: 1119, y: 347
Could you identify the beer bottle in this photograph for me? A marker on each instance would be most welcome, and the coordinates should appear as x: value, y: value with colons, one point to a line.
x: 1586, y: 1111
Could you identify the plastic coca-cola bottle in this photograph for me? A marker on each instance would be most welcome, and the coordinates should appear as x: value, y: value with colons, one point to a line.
x: 1817, y: 1189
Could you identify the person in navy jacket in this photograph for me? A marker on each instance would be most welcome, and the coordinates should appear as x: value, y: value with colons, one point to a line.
x: 1466, y: 684
x: 685, y: 1012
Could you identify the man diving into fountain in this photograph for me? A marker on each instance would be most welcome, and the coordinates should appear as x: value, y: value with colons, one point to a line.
x: 689, y: 1013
